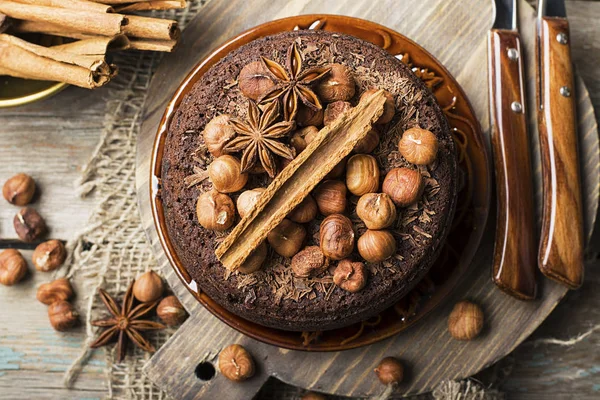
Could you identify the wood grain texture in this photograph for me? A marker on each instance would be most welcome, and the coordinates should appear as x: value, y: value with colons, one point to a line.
x: 509, y: 321
x: 562, y: 241
x: 514, y: 265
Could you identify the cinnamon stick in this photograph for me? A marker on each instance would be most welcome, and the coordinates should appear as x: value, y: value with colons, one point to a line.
x: 26, y: 60
x: 95, y: 46
x: 151, y: 28
x: 118, y: 1
x: 296, y: 181
x: 103, y: 24
x: 151, y: 5
x: 71, y: 4
x: 4, y: 23
x: 166, y: 46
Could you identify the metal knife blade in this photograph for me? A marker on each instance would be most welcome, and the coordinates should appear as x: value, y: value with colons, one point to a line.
x: 514, y: 263
x: 560, y: 254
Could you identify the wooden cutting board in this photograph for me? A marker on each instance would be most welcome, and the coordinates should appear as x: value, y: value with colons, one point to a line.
x: 454, y: 32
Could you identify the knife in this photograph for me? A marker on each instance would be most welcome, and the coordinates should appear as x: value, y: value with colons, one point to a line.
x: 514, y: 263
x: 561, y: 243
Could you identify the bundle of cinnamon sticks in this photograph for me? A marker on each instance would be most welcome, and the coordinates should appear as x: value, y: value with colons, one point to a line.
x: 81, y: 33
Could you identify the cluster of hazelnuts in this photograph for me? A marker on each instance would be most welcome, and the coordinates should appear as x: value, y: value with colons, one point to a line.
x: 359, y: 175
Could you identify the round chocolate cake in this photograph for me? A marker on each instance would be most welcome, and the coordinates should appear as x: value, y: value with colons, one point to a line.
x: 235, y: 131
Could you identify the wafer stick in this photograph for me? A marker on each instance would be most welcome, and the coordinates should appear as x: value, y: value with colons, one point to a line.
x: 103, y: 24
x: 99, y: 45
x: 70, y: 4
x: 26, y: 60
x: 151, y: 5
x: 151, y: 28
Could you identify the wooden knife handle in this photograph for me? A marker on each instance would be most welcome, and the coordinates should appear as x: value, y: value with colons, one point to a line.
x: 515, y: 248
x: 561, y: 244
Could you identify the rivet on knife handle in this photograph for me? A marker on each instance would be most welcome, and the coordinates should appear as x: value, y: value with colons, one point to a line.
x: 514, y: 264
x: 561, y: 244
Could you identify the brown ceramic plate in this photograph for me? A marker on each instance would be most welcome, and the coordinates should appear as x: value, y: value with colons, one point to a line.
x: 471, y: 214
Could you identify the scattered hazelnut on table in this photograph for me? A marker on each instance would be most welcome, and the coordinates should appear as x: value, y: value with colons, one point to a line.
x: 376, y: 210
x: 389, y: 107
x: 465, y: 321
x: 254, y: 81
x: 330, y: 196
x: 287, y: 238
x: 247, y: 200
x: 362, y: 174
x: 148, y: 287
x: 236, y: 363
x: 58, y: 290
x: 215, y: 211
x: 309, y: 262
x: 418, y: 146
x: 336, y: 236
x: 313, y: 396
x: 49, y: 255
x: 226, y: 174
x: 337, y: 85
x: 255, y: 261
x: 299, y: 139
x: 307, y: 116
x: 404, y: 185
x: 171, y: 311
x: 13, y: 267
x: 334, y: 110
x: 376, y: 246
x: 29, y: 225
x: 19, y: 189
x: 390, y: 371
x: 304, y: 212
x: 62, y: 315
x: 217, y: 133
x: 368, y: 143
x: 350, y: 275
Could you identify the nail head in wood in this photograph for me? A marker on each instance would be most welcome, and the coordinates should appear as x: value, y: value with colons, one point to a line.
x: 516, y: 107
x: 562, y: 38
x: 513, y: 54
x: 565, y: 91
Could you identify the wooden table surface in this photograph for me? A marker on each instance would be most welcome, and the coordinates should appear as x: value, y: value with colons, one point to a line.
x: 53, y: 139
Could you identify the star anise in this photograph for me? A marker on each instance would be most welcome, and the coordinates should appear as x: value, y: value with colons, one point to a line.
x: 125, y: 323
x: 257, y: 138
x: 293, y: 83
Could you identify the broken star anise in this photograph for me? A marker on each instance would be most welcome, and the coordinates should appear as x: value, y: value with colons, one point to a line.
x: 257, y: 138
x: 293, y: 83
x: 125, y: 323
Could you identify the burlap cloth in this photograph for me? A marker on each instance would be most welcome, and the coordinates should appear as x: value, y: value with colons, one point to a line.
x: 112, y: 249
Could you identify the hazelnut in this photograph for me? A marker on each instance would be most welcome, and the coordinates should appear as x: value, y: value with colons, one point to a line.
x: 254, y: 81
x: 19, y: 189
x: 376, y: 246
x: 215, y: 211
x: 330, y: 197
x: 148, y: 287
x: 170, y: 311
x: 298, y: 140
x: 376, y: 210
x: 362, y: 174
x: 338, y: 170
x: 226, y: 174
x: 255, y: 260
x: 390, y: 371
x: 29, y: 225
x: 49, y: 255
x: 337, y: 85
x: 313, y: 396
x: 304, y: 212
x: 368, y: 143
x: 311, y: 135
x: 307, y: 116
x: 334, y: 110
x: 217, y: 133
x: 350, y: 276
x: 309, y: 262
x: 389, y: 107
x: 465, y: 321
x: 235, y: 363
x: 287, y: 238
x: 13, y: 267
x: 336, y: 236
x: 58, y: 290
x: 404, y: 185
x: 62, y: 315
x: 418, y: 146
x: 247, y: 200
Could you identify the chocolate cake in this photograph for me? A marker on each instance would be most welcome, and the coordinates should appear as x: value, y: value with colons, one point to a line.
x: 275, y: 295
